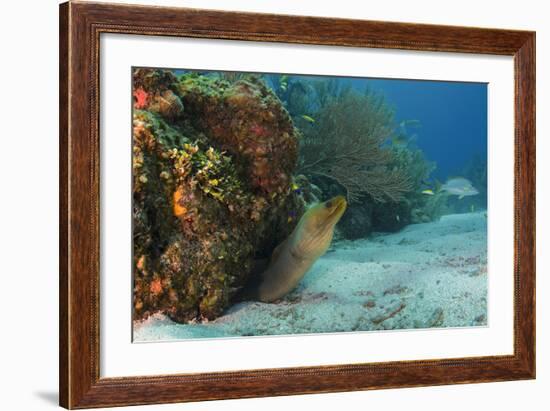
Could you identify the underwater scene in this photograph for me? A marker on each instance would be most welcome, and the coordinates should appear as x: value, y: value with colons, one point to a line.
x: 277, y: 204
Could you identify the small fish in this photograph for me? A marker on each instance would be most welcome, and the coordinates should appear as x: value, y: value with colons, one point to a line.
x: 459, y: 186
x: 397, y: 218
x: 283, y: 82
x: 296, y: 188
x: 308, y: 118
x: 400, y: 139
x: 472, y: 208
x: 428, y: 192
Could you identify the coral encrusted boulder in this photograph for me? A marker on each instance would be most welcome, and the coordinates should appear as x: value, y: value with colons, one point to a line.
x: 212, y: 189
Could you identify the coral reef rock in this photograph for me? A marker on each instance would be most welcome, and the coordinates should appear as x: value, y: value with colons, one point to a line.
x: 391, y: 217
x: 357, y: 221
x: 212, y: 189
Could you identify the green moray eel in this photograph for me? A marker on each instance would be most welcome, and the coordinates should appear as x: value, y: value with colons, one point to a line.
x: 292, y: 258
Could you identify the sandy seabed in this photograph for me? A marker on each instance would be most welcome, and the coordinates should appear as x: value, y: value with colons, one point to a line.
x: 427, y: 275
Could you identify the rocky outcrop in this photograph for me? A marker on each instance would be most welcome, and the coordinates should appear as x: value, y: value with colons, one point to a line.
x: 212, y: 189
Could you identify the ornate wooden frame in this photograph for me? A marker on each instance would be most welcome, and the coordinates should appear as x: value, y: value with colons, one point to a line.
x: 80, y: 27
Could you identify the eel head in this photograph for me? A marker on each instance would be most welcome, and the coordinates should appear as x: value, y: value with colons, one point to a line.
x: 314, y: 232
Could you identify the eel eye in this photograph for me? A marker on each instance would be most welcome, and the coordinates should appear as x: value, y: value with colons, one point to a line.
x: 328, y: 204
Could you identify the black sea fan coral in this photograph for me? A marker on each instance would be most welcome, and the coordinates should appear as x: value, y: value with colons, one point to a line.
x: 346, y: 145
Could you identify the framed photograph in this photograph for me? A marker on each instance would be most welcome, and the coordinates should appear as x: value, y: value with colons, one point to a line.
x: 259, y: 205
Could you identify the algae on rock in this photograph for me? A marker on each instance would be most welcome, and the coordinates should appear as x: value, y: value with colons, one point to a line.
x: 212, y: 189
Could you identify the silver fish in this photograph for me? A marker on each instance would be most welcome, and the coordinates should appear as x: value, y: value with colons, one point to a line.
x: 459, y: 186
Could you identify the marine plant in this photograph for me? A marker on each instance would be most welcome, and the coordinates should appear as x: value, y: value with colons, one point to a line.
x: 347, y: 144
x: 413, y: 161
x: 231, y: 76
x: 293, y: 91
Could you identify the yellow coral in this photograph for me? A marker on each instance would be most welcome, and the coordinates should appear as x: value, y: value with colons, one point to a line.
x: 217, y: 195
x: 191, y: 148
x: 210, y: 154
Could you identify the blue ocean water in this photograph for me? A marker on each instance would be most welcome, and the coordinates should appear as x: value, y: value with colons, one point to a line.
x: 453, y: 118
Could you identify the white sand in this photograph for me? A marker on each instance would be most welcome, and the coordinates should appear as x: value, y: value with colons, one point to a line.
x: 427, y: 275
